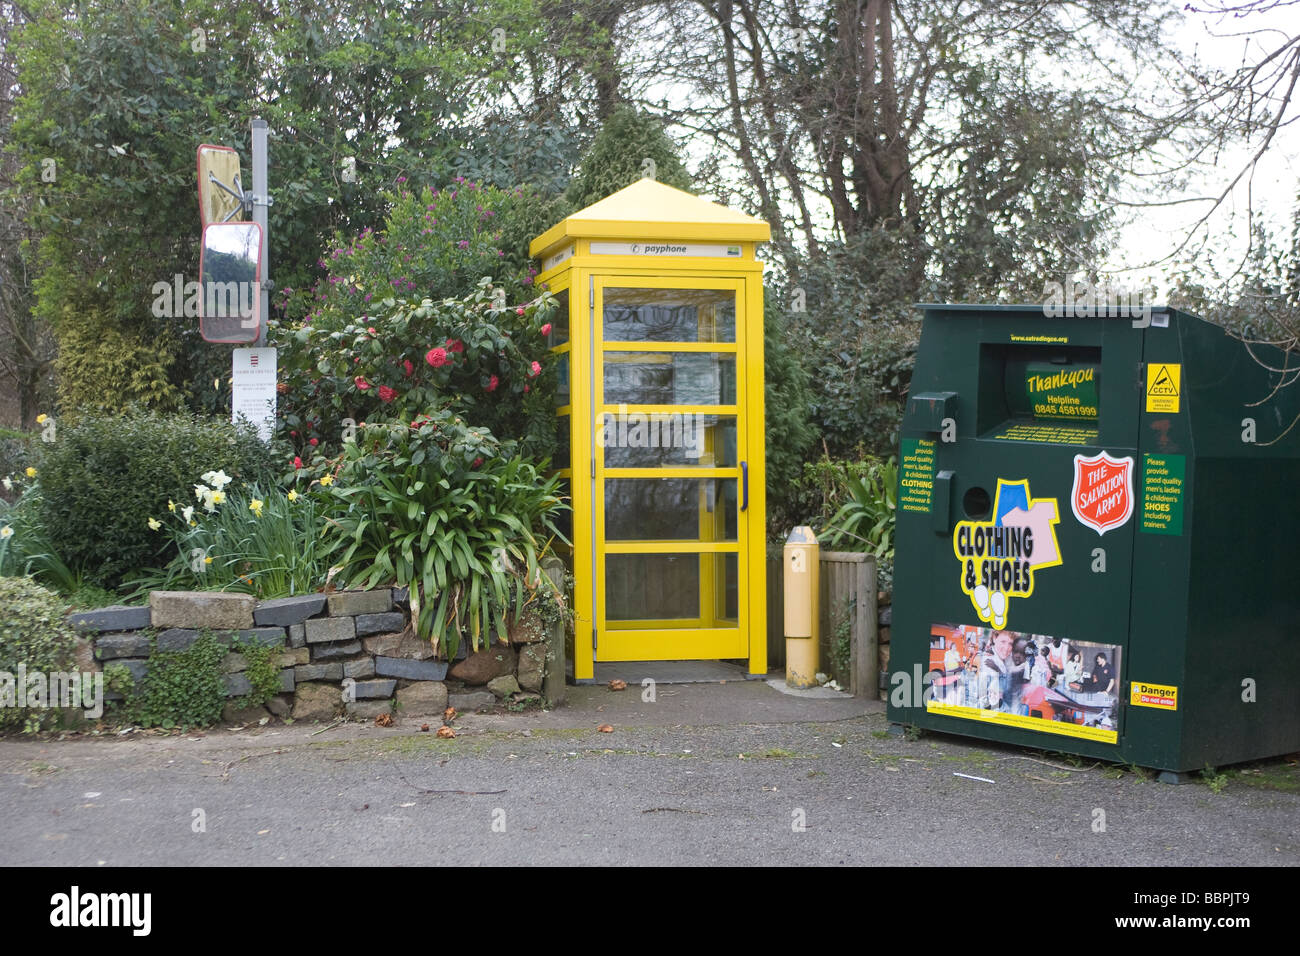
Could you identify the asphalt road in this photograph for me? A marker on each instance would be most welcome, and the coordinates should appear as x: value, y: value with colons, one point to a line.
x: 732, y: 774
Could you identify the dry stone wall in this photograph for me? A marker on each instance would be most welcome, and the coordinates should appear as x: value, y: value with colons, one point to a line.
x: 348, y: 653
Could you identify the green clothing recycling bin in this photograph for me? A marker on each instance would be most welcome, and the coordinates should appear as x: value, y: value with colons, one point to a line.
x: 1098, y: 537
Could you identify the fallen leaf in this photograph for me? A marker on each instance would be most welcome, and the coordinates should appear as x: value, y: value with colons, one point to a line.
x: 618, y: 684
x: 605, y: 729
x: 424, y: 728
x: 449, y: 714
x: 384, y: 720
x: 446, y: 733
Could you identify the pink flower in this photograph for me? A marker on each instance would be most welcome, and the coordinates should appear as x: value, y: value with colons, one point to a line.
x: 526, y: 390
x: 455, y: 345
x: 361, y: 383
x: 314, y: 442
x: 436, y: 357
x: 519, y: 311
x: 386, y: 395
x: 371, y: 330
x: 477, y: 462
x: 410, y: 369
x: 546, y: 329
x: 536, y: 368
x: 297, y: 462
x: 492, y: 384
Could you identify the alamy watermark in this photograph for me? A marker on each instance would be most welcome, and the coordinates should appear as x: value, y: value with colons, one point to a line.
x: 179, y: 299
x: 1085, y: 300
x: 654, y: 430
x: 76, y: 689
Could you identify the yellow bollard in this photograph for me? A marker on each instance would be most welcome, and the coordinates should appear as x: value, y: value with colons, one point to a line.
x: 802, y: 554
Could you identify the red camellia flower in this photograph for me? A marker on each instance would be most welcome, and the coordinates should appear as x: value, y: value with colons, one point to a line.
x: 477, y: 462
x: 535, y: 369
x: 455, y: 345
x: 386, y: 394
x: 410, y: 369
x: 492, y: 384
x: 526, y: 389
x: 546, y: 329
x: 436, y: 357
x: 361, y: 383
x: 314, y: 442
x: 519, y: 311
x: 297, y: 462
x: 371, y: 330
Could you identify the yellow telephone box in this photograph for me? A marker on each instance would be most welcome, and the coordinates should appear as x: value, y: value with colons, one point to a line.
x: 660, y: 343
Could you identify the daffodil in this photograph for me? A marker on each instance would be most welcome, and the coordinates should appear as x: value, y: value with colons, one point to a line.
x: 6, y: 532
x: 327, y: 479
x: 171, y: 506
x: 292, y: 496
x: 217, y: 479
x: 207, y: 560
x: 201, y: 491
x: 255, y: 506
x: 187, y: 513
x: 31, y: 472
x: 40, y: 419
x: 218, y: 497
x: 8, y: 483
x: 154, y: 524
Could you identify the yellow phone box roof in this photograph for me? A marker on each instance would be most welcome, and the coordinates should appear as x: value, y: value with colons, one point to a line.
x: 650, y: 210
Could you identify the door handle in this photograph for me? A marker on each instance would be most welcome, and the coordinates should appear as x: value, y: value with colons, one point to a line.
x: 744, y: 485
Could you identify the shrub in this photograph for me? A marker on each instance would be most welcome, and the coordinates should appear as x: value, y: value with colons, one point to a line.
x: 865, y: 522
x: 107, y: 475
x: 433, y: 244
x: 448, y: 511
x: 35, y: 633
x: 479, y: 355
x: 790, y: 433
x: 617, y: 155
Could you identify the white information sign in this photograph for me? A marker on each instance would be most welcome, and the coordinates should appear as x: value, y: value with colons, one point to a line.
x: 252, y: 376
x: 556, y: 259
x: 660, y: 248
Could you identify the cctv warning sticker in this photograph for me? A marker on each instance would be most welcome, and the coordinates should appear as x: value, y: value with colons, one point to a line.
x: 1161, y: 696
x: 1164, y: 387
x: 999, y: 558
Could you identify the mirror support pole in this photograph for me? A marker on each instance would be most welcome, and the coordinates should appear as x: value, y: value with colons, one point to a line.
x: 261, y: 200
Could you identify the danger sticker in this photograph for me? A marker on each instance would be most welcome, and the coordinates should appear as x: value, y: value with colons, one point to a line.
x: 1161, y: 696
x: 1164, y: 387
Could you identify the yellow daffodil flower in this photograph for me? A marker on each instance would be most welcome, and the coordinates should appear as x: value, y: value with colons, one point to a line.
x: 40, y: 419
x: 154, y: 524
x: 171, y: 506
x: 207, y: 560
x: 31, y: 472
x: 255, y: 506
x: 292, y: 496
x: 218, y: 497
x: 327, y: 479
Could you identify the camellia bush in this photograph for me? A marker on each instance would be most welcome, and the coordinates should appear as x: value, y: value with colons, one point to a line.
x: 448, y: 511
x: 477, y: 355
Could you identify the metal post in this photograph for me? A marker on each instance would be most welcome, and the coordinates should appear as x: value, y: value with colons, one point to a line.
x: 261, y: 200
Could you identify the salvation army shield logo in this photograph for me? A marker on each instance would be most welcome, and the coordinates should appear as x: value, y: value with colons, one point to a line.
x: 1103, y: 491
